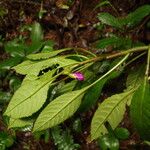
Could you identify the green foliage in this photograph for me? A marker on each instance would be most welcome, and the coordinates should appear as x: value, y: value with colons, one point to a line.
x: 34, y: 67
x: 108, y: 19
x: 111, y: 110
x: 50, y: 92
x: 46, y: 55
x: 116, y: 42
x: 59, y: 110
x: 140, y: 113
x: 6, y: 140
x: 4, y: 97
x: 20, y: 123
x: 108, y: 142
x: 131, y: 20
x: 35, y: 96
x: 18, y: 49
x: 77, y: 125
x: 121, y: 133
x: 63, y: 139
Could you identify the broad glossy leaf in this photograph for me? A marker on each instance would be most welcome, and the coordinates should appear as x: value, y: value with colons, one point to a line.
x: 46, y: 55
x: 112, y: 110
x: 59, y: 110
x: 34, y: 67
x: 30, y: 97
x: 140, y: 110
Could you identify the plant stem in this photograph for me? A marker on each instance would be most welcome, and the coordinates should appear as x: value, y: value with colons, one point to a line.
x: 148, y: 63
x: 110, y: 56
x: 110, y: 71
x: 135, y: 58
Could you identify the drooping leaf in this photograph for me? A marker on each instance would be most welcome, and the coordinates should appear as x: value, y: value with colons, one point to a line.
x: 140, y: 110
x: 111, y: 110
x: 34, y: 67
x: 18, y: 123
x: 46, y: 55
x: 30, y: 97
x: 59, y: 110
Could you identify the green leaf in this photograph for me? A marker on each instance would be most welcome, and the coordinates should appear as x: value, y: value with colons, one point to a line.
x: 36, y: 33
x: 67, y: 87
x: 111, y: 110
x: 15, y: 48
x: 130, y: 20
x: 135, y: 17
x: 18, y: 123
x: 46, y: 55
x: 4, y: 97
x: 114, y: 41
x: 121, y: 133
x: 30, y: 97
x: 59, y: 110
x: 108, y: 19
x: 134, y: 80
x: 7, y: 64
x: 34, y: 67
x: 48, y: 46
x: 92, y: 95
x: 135, y: 77
x: 140, y: 110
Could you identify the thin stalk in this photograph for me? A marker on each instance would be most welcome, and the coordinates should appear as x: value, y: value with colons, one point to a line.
x: 136, y: 49
x: 110, y: 71
x: 135, y: 58
x: 148, y: 63
x: 110, y: 56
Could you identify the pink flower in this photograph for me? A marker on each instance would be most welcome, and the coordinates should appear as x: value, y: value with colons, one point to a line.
x: 78, y: 75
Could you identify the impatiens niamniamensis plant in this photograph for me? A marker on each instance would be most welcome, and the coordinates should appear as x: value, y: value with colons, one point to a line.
x: 47, y: 70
